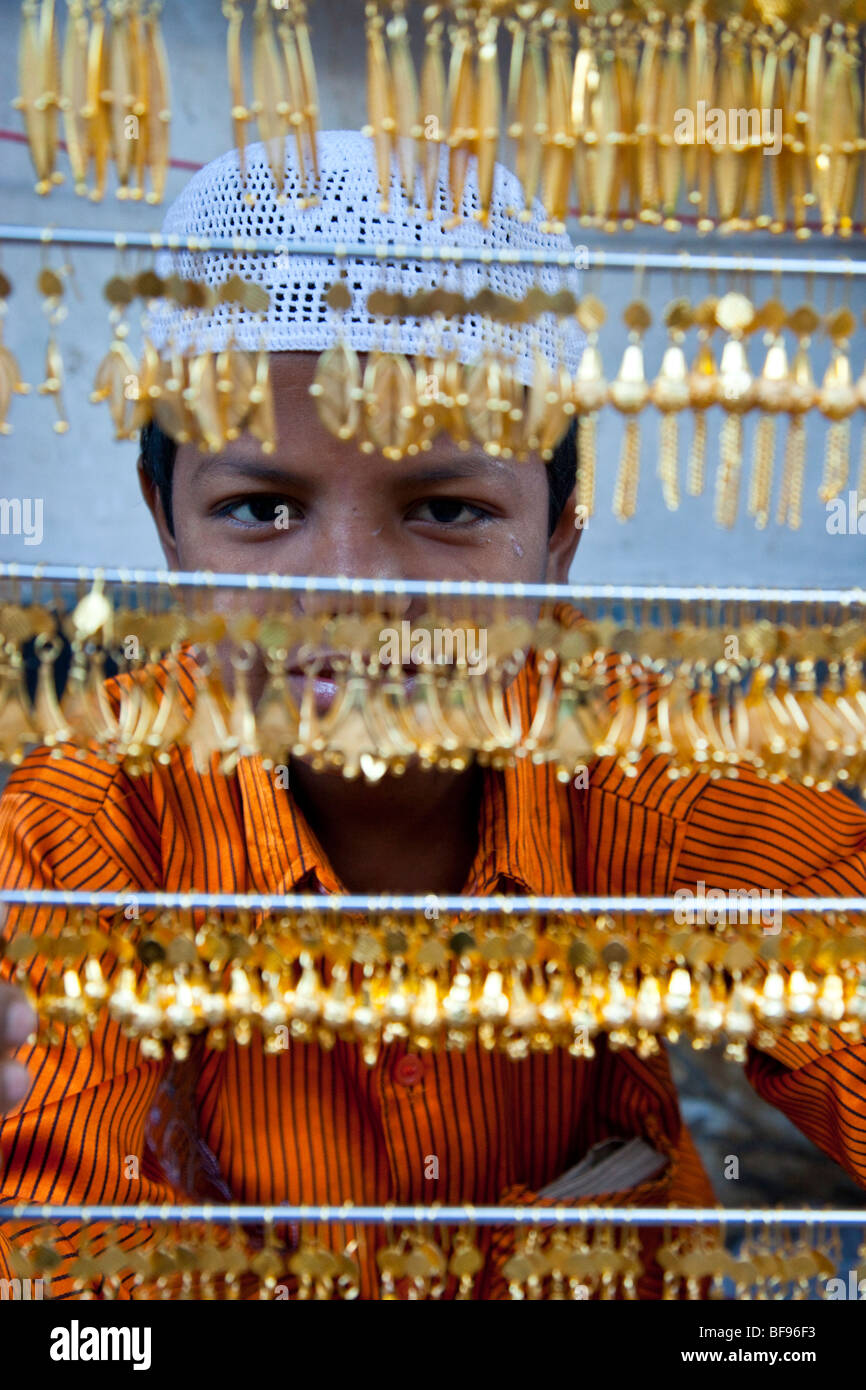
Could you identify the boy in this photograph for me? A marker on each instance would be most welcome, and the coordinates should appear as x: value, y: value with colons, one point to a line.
x: 308, y: 1125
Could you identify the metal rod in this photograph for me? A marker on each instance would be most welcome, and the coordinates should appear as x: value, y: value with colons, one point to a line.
x: 446, y: 1215
x: 429, y: 903
x: 581, y: 257
x: 341, y: 584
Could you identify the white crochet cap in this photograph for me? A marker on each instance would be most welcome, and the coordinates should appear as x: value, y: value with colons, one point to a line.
x: 216, y: 203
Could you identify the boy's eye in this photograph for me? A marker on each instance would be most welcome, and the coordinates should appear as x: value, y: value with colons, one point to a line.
x: 260, y: 509
x: 446, y: 511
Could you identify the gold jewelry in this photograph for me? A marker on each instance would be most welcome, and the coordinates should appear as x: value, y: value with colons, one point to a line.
x: 669, y: 393
x: 735, y: 314
x: 50, y: 286
x: 629, y: 393
x: 11, y: 381
x: 837, y: 400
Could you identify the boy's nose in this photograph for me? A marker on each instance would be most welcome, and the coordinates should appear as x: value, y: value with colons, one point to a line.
x: 353, y: 544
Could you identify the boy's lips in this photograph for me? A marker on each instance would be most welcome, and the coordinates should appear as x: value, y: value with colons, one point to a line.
x: 328, y: 680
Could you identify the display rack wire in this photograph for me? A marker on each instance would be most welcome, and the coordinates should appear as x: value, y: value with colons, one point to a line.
x: 581, y: 258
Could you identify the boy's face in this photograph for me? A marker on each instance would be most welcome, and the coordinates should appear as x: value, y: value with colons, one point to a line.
x: 319, y: 506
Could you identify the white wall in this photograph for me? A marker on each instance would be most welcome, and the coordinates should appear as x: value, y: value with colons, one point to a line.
x: 92, y: 510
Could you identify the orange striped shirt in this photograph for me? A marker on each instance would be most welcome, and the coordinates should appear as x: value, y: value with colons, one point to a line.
x: 308, y: 1125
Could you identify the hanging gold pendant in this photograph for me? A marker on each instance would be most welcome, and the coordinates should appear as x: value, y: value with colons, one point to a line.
x: 336, y: 388
x: 735, y: 314
x: 97, y: 111
x: 433, y: 108
x: 772, y: 396
x: 39, y: 97
x: 295, y: 113
x: 629, y: 393
x: 389, y: 403
x: 590, y: 394
x: 269, y: 104
x: 607, y: 129
x: 407, y: 128
x: 112, y: 384
x: 550, y: 408
x: 158, y: 99
x: 703, y: 393
x: 461, y: 111
x: 671, y: 99
x: 803, y: 322
x: 118, y: 96
x: 837, y: 401
x: 11, y: 382
x: 75, y: 123
x: 584, y: 112
x: 559, y: 140
x: 240, y: 112
x: 50, y: 287
x: 487, y: 388
x: 380, y: 105
x: 308, y: 79
x: 669, y: 393
x: 487, y: 115
x: 261, y: 422
x: 169, y: 406
x: 203, y: 402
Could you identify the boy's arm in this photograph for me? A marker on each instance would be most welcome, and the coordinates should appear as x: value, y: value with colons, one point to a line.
x: 750, y: 833
x: 17, y: 1022
x: 77, y: 1136
x: 822, y: 1091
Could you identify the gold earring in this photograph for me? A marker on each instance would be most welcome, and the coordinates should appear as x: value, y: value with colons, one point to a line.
x: 11, y: 382
x: 703, y: 393
x: 803, y: 323
x: 50, y: 286
x: 240, y: 112
x: 772, y: 395
x: 269, y: 104
x: 837, y: 401
x: 590, y: 394
x: 39, y: 88
x: 336, y: 385
x: 735, y: 314
x: 380, y: 108
x: 117, y: 376
x: 629, y: 393
x: 669, y: 393
x: 407, y: 130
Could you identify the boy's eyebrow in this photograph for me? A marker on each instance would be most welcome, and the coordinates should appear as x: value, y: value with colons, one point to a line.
x: 468, y: 467
x: 262, y: 472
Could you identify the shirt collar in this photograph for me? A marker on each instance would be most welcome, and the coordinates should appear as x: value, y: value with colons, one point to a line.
x: 526, y: 832
x: 519, y: 828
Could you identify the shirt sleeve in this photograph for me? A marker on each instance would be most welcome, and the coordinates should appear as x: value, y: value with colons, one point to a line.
x: 79, y: 1135
x: 750, y: 833
x: 820, y: 1083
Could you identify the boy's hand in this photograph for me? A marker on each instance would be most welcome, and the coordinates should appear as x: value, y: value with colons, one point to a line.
x: 17, y: 1022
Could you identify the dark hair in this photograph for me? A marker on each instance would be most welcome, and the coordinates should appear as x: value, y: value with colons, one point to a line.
x: 159, y: 450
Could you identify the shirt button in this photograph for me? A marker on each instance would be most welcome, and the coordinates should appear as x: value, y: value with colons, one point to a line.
x: 409, y: 1070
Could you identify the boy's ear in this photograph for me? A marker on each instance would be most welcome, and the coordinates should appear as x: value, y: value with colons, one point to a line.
x: 153, y: 501
x: 562, y: 546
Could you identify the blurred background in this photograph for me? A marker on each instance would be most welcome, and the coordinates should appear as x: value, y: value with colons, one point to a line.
x: 92, y: 510
x: 93, y: 513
